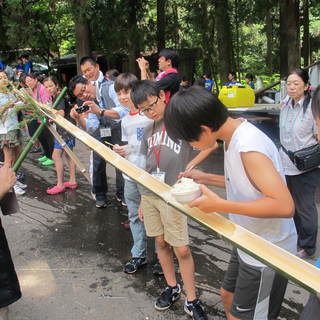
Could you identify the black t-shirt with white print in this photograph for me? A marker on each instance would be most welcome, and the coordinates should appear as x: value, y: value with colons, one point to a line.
x: 173, y: 156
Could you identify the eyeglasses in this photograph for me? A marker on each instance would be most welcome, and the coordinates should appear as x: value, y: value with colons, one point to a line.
x: 150, y: 107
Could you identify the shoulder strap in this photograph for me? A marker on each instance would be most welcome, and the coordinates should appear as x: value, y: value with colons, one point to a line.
x: 288, y: 153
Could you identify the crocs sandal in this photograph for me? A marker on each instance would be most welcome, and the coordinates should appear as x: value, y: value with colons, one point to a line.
x: 48, y: 162
x: 55, y: 190
x: 70, y: 185
x: 42, y: 159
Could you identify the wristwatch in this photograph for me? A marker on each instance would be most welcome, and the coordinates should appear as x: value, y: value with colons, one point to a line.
x: 102, y: 113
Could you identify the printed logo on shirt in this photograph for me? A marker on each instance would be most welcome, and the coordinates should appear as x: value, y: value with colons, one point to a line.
x: 156, y: 139
x: 140, y: 132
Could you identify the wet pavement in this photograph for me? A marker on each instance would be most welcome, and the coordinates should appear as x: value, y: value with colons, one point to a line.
x: 69, y: 257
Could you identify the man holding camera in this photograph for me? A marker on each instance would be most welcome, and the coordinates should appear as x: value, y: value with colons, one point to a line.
x: 91, y: 118
x: 107, y: 98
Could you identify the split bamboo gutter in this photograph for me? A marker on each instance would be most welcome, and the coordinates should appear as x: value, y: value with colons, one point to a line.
x: 294, y: 268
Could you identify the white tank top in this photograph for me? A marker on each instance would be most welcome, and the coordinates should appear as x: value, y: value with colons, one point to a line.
x: 280, y: 232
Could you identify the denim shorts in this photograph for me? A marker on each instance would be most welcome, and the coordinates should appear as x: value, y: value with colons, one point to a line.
x: 70, y: 143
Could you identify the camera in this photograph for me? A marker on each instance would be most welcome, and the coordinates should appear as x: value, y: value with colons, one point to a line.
x: 82, y: 108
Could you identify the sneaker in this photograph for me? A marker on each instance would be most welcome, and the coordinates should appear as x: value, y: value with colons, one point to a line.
x: 121, y: 200
x: 101, y: 204
x: 48, y: 162
x: 42, y: 159
x: 157, y: 269
x: 168, y: 297
x: 20, y: 184
x: 18, y: 191
x: 134, y: 264
x: 195, y: 310
x: 20, y: 175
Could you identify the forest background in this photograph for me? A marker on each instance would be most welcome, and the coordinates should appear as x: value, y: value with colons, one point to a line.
x: 263, y: 37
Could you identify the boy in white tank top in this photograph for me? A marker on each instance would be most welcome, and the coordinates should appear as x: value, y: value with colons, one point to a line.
x: 257, y: 196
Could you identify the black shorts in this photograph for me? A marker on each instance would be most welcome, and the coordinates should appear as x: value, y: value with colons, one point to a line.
x: 258, y: 291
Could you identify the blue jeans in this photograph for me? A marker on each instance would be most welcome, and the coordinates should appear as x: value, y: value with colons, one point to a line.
x: 133, y: 197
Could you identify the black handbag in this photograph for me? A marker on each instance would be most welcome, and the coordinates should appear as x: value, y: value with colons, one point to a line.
x: 306, y: 158
x: 9, y: 203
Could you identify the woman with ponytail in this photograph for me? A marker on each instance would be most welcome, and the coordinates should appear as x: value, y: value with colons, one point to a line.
x: 298, y: 130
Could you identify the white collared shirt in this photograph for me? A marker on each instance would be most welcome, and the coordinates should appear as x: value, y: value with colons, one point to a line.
x: 298, y: 130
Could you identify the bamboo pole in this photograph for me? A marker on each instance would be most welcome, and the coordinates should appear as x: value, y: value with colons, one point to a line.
x: 299, y: 271
x: 33, y: 139
x: 70, y: 153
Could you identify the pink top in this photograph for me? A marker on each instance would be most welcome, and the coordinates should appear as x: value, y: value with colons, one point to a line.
x: 40, y: 94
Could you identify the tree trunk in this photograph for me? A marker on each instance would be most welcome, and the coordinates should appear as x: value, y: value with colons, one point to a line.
x: 237, y: 44
x: 289, y: 36
x: 134, y: 36
x: 293, y: 34
x: 161, y: 24
x: 3, y: 38
x: 269, y: 34
x: 306, y: 35
x: 82, y: 30
x: 283, y: 39
x: 224, y: 39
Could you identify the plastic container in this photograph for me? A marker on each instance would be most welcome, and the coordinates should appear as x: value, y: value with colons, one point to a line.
x: 237, y: 96
x: 186, y: 196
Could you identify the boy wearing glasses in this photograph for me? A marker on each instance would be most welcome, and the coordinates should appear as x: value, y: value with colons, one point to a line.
x: 165, y: 159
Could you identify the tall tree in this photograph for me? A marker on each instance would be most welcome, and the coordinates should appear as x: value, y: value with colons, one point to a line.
x: 306, y: 34
x: 81, y: 12
x: 289, y: 36
x: 224, y: 39
x: 133, y: 34
x: 161, y: 24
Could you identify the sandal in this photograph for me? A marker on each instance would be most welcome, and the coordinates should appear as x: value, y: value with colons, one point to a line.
x: 55, y: 190
x: 70, y: 185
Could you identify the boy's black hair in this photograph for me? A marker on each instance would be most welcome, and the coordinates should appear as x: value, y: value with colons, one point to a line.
x: 315, y: 103
x: 25, y: 56
x: 200, y: 82
x: 233, y: 73
x: 142, y: 89
x: 124, y: 81
x: 249, y: 76
x: 172, y: 55
x: 190, y: 109
x: 86, y: 59
x: 74, y: 81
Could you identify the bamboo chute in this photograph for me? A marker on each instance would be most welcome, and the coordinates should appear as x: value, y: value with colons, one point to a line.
x: 299, y: 271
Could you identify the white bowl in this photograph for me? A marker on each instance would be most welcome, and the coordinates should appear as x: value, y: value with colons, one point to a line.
x: 186, y: 196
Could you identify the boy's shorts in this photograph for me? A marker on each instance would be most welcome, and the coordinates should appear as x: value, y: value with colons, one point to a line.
x: 258, y: 291
x: 162, y: 219
x: 70, y: 143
